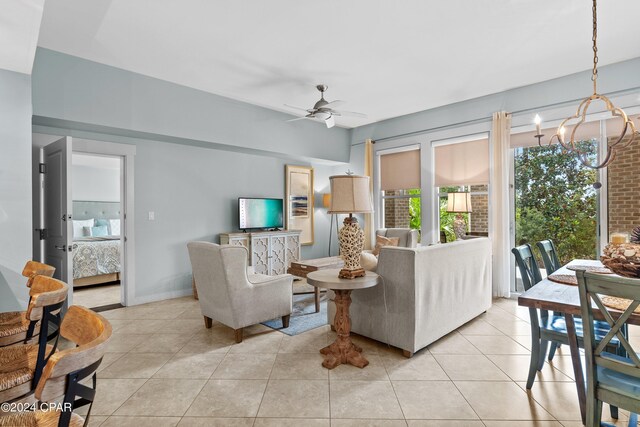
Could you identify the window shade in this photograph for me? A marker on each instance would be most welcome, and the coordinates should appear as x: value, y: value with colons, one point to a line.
x: 466, y: 163
x: 400, y: 171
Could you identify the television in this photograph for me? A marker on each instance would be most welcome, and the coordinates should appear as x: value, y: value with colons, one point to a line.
x: 260, y: 213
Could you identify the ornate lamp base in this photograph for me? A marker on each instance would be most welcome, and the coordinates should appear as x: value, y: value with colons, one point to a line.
x: 460, y: 227
x: 351, y: 245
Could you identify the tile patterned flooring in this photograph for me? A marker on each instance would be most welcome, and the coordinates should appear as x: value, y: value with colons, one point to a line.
x: 96, y: 295
x: 165, y: 369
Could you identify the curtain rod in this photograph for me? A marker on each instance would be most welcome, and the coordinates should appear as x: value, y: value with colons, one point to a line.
x: 482, y: 119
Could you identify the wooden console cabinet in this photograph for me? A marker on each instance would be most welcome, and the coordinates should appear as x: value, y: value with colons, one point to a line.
x: 270, y: 252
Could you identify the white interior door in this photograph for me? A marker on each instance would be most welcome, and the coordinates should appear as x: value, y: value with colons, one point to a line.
x: 58, y: 245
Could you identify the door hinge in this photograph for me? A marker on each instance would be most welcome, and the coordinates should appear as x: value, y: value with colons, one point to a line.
x: 42, y: 232
x: 42, y: 168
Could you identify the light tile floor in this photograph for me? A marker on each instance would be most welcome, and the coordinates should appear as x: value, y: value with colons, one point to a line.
x: 96, y: 295
x: 165, y: 369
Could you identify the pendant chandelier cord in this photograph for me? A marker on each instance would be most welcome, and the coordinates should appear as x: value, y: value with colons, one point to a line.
x: 594, y: 75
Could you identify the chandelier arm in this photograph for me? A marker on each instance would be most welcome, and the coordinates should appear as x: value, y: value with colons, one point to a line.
x: 594, y: 75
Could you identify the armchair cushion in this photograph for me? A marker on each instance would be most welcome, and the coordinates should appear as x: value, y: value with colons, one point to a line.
x: 384, y: 241
x: 368, y: 261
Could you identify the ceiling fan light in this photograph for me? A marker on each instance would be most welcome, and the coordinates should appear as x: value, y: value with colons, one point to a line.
x: 330, y: 122
x: 322, y: 115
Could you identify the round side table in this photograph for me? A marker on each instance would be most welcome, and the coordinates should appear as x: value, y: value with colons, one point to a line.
x: 343, y: 350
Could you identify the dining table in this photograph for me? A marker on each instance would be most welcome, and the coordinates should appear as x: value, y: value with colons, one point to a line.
x: 558, y: 293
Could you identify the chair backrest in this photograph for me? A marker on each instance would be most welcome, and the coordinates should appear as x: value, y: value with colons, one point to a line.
x: 549, y: 255
x: 527, y: 265
x: 45, y: 292
x: 408, y: 238
x: 220, y: 271
x: 35, y: 268
x: 91, y: 333
x: 594, y: 289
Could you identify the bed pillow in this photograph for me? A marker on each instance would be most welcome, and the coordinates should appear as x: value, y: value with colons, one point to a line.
x: 114, y: 227
x: 99, y: 231
x: 79, y: 227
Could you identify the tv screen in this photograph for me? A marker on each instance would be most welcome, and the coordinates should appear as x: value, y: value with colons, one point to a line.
x: 260, y: 213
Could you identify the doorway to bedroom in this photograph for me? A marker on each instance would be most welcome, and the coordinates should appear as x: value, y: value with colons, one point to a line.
x: 96, y: 188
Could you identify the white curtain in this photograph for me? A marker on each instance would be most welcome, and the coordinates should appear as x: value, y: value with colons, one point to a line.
x: 368, y: 171
x: 500, y: 206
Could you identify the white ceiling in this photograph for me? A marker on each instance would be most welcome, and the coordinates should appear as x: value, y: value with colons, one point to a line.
x: 384, y: 58
x: 19, y: 27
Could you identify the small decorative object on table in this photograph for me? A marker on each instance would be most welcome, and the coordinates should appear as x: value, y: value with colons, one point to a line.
x: 623, y: 258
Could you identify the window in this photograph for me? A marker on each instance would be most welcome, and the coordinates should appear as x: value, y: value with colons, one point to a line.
x: 477, y: 221
x: 463, y: 167
x: 400, y: 188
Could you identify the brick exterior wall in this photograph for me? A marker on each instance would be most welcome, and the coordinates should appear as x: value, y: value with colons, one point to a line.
x: 479, y: 218
x: 624, y: 190
x: 396, y: 212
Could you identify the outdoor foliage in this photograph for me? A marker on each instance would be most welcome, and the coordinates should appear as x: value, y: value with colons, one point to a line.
x: 555, y: 200
x: 414, y: 209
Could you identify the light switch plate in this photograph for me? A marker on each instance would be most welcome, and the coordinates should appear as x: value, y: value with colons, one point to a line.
x: 152, y: 216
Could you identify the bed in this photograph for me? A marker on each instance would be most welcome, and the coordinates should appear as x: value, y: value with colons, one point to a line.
x: 96, y: 258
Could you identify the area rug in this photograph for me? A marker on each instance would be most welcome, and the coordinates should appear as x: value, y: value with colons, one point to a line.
x: 303, y: 318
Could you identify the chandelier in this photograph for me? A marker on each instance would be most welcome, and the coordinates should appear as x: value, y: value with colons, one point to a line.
x: 569, y: 142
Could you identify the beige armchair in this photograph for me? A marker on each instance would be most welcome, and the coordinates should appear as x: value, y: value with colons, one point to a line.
x: 408, y: 237
x: 230, y: 294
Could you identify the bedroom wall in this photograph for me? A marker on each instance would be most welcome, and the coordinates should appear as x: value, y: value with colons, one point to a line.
x: 99, y: 183
x: 15, y: 187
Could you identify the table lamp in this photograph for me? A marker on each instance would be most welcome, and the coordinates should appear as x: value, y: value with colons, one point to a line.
x: 350, y: 194
x: 459, y: 203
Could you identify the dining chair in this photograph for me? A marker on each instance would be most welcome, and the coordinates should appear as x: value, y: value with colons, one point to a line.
x: 46, y: 296
x: 611, y: 378
x: 548, y: 327
x: 549, y: 255
x: 21, y: 365
x: 551, y: 264
x: 62, y: 381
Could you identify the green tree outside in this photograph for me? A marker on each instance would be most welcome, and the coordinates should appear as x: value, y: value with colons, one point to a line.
x: 555, y: 200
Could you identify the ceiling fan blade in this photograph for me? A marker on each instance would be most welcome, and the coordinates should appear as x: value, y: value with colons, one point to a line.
x: 297, y: 118
x: 333, y: 104
x: 351, y: 114
x: 297, y: 108
x: 330, y: 122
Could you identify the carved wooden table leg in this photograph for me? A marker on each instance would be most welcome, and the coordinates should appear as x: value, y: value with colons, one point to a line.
x: 343, y: 350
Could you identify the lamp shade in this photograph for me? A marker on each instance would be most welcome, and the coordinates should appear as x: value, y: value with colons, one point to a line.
x: 459, y: 202
x: 350, y: 194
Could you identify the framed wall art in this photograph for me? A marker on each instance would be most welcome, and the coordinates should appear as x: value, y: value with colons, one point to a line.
x: 299, y: 201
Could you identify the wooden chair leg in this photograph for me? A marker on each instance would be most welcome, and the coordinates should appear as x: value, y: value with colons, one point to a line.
x: 533, y: 364
x: 544, y: 346
x: 208, y: 322
x: 285, y: 321
x: 238, y: 335
x: 552, y: 350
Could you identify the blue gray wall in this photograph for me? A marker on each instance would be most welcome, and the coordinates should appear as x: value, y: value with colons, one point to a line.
x: 15, y: 187
x: 196, y: 153
x: 612, y: 79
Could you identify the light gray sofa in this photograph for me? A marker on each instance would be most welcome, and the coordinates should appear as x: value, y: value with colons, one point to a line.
x: 429, y: 292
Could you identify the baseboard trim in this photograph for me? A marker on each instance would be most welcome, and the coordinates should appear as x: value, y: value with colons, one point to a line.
x: 161, y: 297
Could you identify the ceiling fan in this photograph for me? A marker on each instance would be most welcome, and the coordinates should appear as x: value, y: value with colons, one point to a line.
x: 324, y: 110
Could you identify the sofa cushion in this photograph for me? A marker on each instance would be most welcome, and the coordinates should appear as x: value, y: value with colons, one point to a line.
x: 368, y: 261
x: 385, y: 241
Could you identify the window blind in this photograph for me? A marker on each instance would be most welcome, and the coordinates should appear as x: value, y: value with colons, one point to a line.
x: 400, y: 171
x: 465, y: 163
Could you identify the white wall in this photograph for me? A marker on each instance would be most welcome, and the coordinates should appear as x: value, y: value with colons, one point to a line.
x: 15, y: 187
x: 96, y: 178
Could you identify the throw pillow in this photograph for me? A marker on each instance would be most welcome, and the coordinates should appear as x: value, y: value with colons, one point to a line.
x: 385, y: 241
x: 368, y: 261
x: 79, y: 227
x: 114, y: 227
x: 99, y: 231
